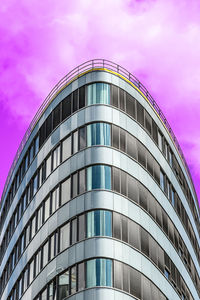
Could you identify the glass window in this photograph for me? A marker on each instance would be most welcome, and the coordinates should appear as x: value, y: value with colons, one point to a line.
x: 66, y: 148
x: 52, y: 246
x: 64, y: 236
x: 81, y: 181
x: 36, y: 144
x: 98, y: 177
x: 66, y: 107
x: 82, y: 97
x: 54, y: 200
x: 33, y: 227
x: 131, y: 146
x: 75, y: 141
x: 116, y: 180
x: 135, y: 283
x: 146, y: 289
x: 133, y: 189
x: 44, y: 295
x: 118, y: 275
x: 160, y: 141
x: 153, y: 250
x: 130, y: 105
x: 122, y: 140
x: 141, y: 154
x: 25, y: 278
x: 126, y: 278
x: 115, y: 97
x: 98, y: 134
x: 56, y: 116
x: 73, y: 280
x: 150, y: 163
x: 148, y: 122
x: 99, y: 223
x: 115, y: 136
x: 81, y: 276
x: 37, y: 263
x: 31, y: 153
x: 35, y: 184
x: 152, y: 206
x: 170, y: 158
x: 39, y: 217
x: 162, y: 180
x: 98, y: 93
x: 46, y: 209
x: 82, y: 138
x: 99, y: 272
x: 134, y: 235
x: 48, y: 125
x: 155, y: 131
x: 31, y: 270
x: 121, y: 99
x: 63, y: 286
x: 65, y: 191
x: 156, y: 172
x: 56, y: 157
x: 75, y: 100
x: 117, y: 226
x: 125, y: 229
x: 144, y: 242
x: 140, y: 114
x: 74, y: 231
x: 143, y: 197
x: 45, y: 254
x: 48, y: 166
x: 52, y: 291
x: 81, y: 227
x: 173, y: 197
x: 123, y: 183
x: 74, y: 185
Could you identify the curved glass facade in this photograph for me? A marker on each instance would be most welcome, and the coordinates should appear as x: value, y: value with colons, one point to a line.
x: 99, y: 202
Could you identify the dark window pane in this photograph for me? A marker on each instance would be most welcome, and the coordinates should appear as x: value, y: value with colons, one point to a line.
x: 81, y: 227
x: 81, y: 276
x: 66, y: 107
x: 126, y: 278
x: 115, y: 96
x: 124, y: 183
x: 73, y: 280
x: 140, y: 114
x: 121, y: 99
x: 116, y: 180
x: 56, y: 116
x: 82, y: 97
x: 152, y: 206
x: 144, y: 242
x: 160, y: 259
x: 143, y: 197
x: 74, y: 185
x: 165, y: 222
x: 156, y: 172
x: 48, y: 125
x: 131, y: 146
x: 74, y: 231
x: 81, y: 181
x: 122, y: 140
x: 115, y: 137
x: 130, y: 105
x: 75, y: 100
x: 141, y: 154
x: 118, y: 275
x: 82, y: 138
x: 146, y: 289
x: 63, y: 286
x: 148, y: 122
x: 135, y: 283
x: 42, y: 134
x: 159, y: 214
x: 133, y: 191
x: 153, y: 250
x: 117, y: 226
x: 150, y: 163
x: 155, y: 132
x: 134, y: 235
x: 124, y: 229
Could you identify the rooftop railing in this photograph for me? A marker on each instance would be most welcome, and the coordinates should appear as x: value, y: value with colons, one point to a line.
x: 90, y: 65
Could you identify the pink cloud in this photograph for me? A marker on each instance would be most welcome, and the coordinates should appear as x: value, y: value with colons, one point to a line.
x: 158, y: 41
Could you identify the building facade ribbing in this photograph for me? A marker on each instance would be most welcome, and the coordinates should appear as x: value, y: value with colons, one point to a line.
x: 100, y: 202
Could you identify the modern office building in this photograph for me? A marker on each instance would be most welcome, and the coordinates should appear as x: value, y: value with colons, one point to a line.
x: 99, y: 202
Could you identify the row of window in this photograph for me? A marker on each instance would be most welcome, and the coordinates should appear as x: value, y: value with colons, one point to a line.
x: 96, y: 133
x: 98, y: 272
x: 102, y: 223
x: 99, y: 134
x: 100, y: 93
x: 98, y: 177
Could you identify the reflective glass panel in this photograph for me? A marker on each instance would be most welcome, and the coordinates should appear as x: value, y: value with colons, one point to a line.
x: 98, y: 177
x: 98, y: 93
x: 99, y: 223
x: 98, y: 134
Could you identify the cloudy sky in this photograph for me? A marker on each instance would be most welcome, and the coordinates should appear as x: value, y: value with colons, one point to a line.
x: 156, y: 40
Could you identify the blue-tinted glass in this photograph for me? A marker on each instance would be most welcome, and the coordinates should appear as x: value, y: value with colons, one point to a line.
x: 98, y: 93
x: 98, y: 134
x: 98, y: 177
x: 99, y: 272
x: 99, y: 223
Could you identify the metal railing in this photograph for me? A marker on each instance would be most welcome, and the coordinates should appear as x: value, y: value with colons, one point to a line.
x: 90, y: 65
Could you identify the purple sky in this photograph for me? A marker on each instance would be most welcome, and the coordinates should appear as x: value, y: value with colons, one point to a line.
x: 156, y: 40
